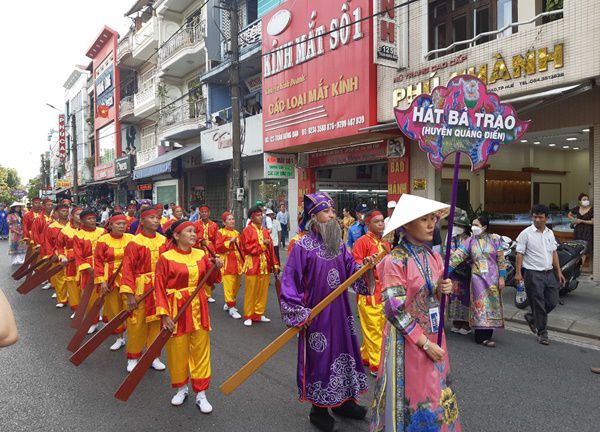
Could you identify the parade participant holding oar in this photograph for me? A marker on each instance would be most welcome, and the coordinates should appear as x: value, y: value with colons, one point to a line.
x: 108, y: 259
x: 228, y: 247
x: 141, y: 256
x: 84, y: 245
x: 49, y: 249
x: 29, y: 217
x: 370, y: 308
x: 178, y: 272
x: 330, y: 370
x: 38, y: 228
x: 412, y: 392
x: 206, y: 231
x: 66, y: 255
x: 258, y: 248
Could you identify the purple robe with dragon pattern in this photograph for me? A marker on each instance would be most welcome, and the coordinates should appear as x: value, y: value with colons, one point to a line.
x: 330, y: 370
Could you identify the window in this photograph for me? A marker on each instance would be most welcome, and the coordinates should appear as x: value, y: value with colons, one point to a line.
x: 453, y: 21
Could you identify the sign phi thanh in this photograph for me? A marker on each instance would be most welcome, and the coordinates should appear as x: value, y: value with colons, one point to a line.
x: 306, y: 96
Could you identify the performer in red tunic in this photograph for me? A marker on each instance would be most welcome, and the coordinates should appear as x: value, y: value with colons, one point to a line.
x: 30, y: 216
x: 66, y: 254
x: 137, y: 277
x: 206, y: 230
x: 177, y: 215
x: 228, y: 247
x: 49, y: 249
x: 108, y: 257
x: 178, y: 273
x: 260, y: 262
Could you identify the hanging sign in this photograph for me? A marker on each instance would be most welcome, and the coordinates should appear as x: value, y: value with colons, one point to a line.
x: 462, y: 117
x: 62, y: 138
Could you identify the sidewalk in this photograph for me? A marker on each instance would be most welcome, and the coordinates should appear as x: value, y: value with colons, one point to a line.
x: 580, y: 314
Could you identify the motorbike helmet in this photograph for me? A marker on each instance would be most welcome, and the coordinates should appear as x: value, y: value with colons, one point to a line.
x: 461, y: 218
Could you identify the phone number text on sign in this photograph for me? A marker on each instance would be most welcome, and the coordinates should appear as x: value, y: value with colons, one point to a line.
x: 312, y: 130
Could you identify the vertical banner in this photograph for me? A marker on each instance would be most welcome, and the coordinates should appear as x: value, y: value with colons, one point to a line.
x: 398, y: 177
x: 306, y: 184
x: 62, y: 141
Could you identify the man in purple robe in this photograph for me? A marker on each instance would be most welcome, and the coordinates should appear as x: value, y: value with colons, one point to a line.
x: 330, y: 370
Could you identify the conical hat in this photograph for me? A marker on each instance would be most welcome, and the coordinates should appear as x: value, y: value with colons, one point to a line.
x: 410, y: 208
x: 17, y: 204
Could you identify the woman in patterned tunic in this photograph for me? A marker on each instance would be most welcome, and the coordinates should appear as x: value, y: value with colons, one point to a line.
x: 488, y: 270
x: 412, y: 392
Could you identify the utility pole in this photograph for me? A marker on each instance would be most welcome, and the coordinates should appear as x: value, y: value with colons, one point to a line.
x: 75, y: 161
x: 236, y: 163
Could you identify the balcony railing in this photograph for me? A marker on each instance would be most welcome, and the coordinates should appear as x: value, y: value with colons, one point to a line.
x: 126, y: 106
x: 149, y: 31
x: 124, y: 47
x: 185, y: 38
x: 148, y: 149
x: 249, y: 36
x: 186, y: 114
x: 145, y: 95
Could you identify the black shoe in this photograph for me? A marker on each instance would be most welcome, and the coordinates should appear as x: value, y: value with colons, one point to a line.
x: 321, y: 419
x: 531, y: 322
x: 351, y: 410
x: 543, y: 339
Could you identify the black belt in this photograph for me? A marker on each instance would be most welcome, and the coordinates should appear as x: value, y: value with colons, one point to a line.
x: 540, y: 271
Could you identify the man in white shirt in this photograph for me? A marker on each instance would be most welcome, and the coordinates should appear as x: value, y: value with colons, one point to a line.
x: 536, y: 252
x: 105, y: 215
x: 275, y: 230
x: 284, y: 219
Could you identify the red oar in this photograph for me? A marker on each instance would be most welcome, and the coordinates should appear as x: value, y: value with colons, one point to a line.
x: 90, y: 317
x: 83, y: 302
x: 133, y: 379
x: 41, y: 276
x: 22, y: 270
x: 95, y: 341
x: 32, y: 268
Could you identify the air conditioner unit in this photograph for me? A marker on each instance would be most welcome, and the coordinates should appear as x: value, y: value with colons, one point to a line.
x: 302, y: 160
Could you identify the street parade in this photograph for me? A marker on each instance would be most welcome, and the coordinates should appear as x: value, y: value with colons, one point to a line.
x: 288, y: 215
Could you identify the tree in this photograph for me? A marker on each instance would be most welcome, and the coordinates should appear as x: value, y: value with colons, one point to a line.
x: 33, y: 187
x: 9, y: 182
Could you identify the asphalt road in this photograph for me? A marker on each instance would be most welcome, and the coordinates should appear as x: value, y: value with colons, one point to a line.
x: 519, y: 386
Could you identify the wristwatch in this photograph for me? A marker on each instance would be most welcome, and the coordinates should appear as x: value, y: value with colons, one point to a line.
x: 425, y: 346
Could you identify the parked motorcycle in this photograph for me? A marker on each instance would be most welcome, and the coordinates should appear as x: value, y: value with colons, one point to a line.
x: 570, y: 257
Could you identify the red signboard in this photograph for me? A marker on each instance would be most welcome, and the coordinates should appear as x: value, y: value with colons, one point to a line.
x: 306, y: 184
x: 349, y: 155
x: 62, y: 138
x: 104, y: 171
x: 318, y: 73
x: 145, y: 187
x: 398, y: 177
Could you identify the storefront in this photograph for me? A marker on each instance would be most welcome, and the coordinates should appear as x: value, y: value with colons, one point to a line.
x: 546, y: 70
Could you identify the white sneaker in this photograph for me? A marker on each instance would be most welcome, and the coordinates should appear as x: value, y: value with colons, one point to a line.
x: 53, y: 295
x: 225, y: 307
x: 158, y: 365
x: 60, y: 305
x: 248, y: 323
x: 93, y: 328
x: 180, y: 396
x: 464, y: 331
x: 73, y: 315
x: 46, y: 286
x: 131, y: 364
x: 202, y: 403
x: 211, y: 300
x: 264, y: 319
x: 233, y: 313
x: 454, y: 329
x: 119, y: 343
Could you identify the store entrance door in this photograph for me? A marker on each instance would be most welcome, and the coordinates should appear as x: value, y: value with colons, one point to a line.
x: 463, y: 197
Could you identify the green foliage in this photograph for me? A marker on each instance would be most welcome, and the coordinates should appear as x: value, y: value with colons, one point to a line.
x: 9, y: 181
x: 33, y: 187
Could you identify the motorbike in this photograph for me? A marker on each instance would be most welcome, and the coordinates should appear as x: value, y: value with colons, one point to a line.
x: 570, y: 257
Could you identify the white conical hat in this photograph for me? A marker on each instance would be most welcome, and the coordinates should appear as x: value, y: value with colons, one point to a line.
x: 410, y: 208
x: 17, y: 203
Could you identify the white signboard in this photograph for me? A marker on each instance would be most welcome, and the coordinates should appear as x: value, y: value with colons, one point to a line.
x: 216, y: 143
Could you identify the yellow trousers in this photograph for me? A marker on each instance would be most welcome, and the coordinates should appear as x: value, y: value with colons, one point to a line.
x: 188, y: 356
x: 59, y: 284
x: 231, y: 287
x: 208, y: 289
x: 255, y: 298
x: 140, y: 333
x: 73, y: 293
x: 113, y: 305
x: 372, y: 322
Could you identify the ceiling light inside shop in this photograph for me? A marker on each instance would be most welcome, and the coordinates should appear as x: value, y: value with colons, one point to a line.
x: 551, y: 145
x: 536, y: 142
x: 572, y: 139
x: 566, y: 147
x: 575, y: 148
x: 523, y: 141
x: 585, y: 130
x: 379, y: 190
x: 332, y: 190
x: 357, y: 190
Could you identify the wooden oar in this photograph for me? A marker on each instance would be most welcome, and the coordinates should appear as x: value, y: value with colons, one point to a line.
x: 135, y: 376
x: 29, y: 270
x: 90, y: 317
x: 83, y: 302
x: 41, y: 276
x: 95, y: 341
x: 261, y: 358
x: 22, y: 270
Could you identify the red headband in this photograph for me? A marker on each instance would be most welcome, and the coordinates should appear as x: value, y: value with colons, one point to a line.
x: 47, y: 200
x: 117, y: 218
x: 183, y: 226
x: 204, y: 207
x: 89, y: 216
x: 225, y: 215
x: 177, y: 208
x: 256, y: 212
x: 372, y: 215
x: 148, y: 213
x: 76, y: 209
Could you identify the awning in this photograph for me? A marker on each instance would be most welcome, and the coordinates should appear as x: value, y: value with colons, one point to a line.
x: 118, y: 179
x: 138, y: 6
x: 95, y: 183
x: 163, y: 163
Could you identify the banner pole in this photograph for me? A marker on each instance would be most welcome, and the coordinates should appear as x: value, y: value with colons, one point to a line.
x: 449, y: 243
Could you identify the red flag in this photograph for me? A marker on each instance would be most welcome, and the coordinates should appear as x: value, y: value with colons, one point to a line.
x: 102, y: 111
